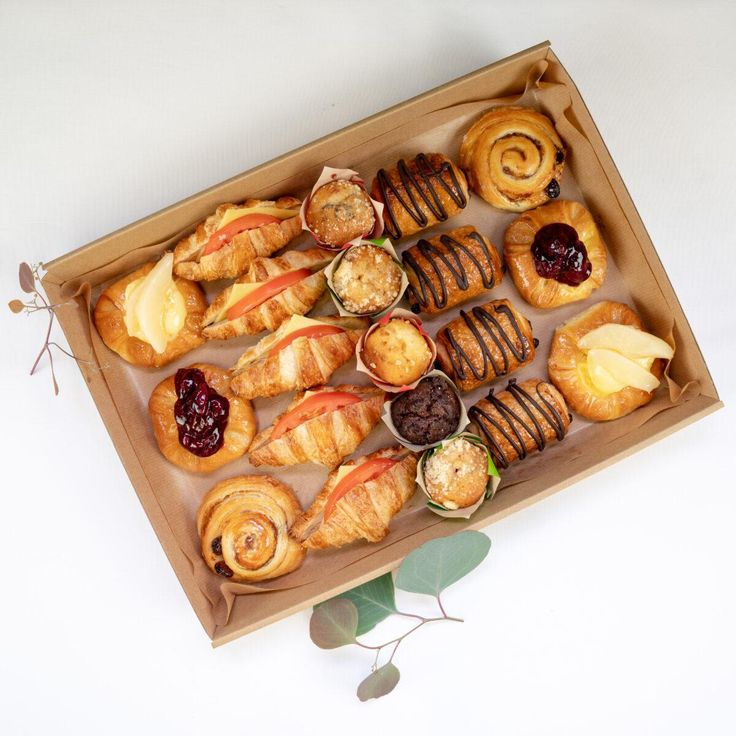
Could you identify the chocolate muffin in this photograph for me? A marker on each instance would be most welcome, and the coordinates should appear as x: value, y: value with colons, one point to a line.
x: 427, y: 414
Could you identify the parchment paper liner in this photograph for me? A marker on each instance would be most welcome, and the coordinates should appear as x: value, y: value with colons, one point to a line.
x: 329, y: 174
x: 463, y: 421
x: 363, y: 368
x: 176, y: 494
x: 384, y: 243
x: 494, y: 479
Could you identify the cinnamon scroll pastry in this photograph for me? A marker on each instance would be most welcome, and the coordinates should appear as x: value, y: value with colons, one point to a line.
x: 419, y: 193
x: 490, y: 341
x: 243, y: 524
x: 521, y: 420
x: 450, y: 268
x: 513, y: 158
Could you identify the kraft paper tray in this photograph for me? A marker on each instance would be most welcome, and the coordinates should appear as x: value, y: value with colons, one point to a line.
x: 634, y: 253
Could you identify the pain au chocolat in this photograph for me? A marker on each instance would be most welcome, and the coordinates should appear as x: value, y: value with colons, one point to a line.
x: 450, y: 269
x: 489, y: 341
x: 419, y: 193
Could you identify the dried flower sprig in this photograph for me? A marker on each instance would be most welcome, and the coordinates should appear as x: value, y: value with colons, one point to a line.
x: 428, y: 570
x: 29, y: 278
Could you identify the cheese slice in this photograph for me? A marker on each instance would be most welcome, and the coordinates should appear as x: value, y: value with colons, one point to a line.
x: 342, y: 471
x: 155, y: 310
x: 237, y: 292
x: 235, y: 213
x: 294, y: 323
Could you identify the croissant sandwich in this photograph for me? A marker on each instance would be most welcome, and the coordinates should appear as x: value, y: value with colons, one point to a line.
x: 227, y: 242
x: 243, y: 524
x: 320, y: 426
x: 270, y: 292
x: 303, y: 352
x: 359, y: 500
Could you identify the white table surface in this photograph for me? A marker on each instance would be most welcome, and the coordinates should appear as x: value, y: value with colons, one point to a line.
x: 607, y: 609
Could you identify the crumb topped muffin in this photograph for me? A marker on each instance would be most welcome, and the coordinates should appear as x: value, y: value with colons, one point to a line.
x: 367, y: 279
x: 339, y: 212
x: 456, y: 475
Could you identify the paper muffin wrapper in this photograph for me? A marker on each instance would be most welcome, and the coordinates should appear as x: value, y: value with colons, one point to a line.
x: 463, y: 421
x: 494, y: 479
x: 329, y: 174
x: 377, y: 381
x: 384, y: 243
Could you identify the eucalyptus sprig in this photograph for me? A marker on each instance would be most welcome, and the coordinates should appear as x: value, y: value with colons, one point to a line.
x: 30, y: 282
x: 427, y: 570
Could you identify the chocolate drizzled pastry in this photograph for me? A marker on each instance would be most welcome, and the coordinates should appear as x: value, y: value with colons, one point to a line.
x: 419, y: 193
x: 490, y: 341
x: 427, y: 414
x: 521, y: 420
x: 450, y: 268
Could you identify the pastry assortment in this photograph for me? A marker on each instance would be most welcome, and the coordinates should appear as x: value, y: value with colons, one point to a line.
x: 602, y: 363
x: 450, y: 268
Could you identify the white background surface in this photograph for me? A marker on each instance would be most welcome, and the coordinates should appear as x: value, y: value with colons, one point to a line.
x: 606, y: 609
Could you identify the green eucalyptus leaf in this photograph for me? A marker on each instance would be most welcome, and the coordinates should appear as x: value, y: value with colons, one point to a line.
x: 439, y: 563
x: 374, y: 600
x: 334, y: 624
x: 380, y: 682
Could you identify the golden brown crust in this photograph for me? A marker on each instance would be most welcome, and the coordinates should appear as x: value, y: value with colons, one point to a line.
x: 510, y: 155
x: 239, y: 432
x: 109, y: 316
x: 566, y: 359
x: 547, y: 293
x: 489, y: 341
x: 305, y: 362
x: 397, y: 352
x: 234, y: 258
x: 340, y: 211
x: 248, y: 519
x: 297, y: 299
x: 366, y: 510
x: 521, y: 420
x: 450, y: 269
x: 419, y: 193
x: 326, y: 439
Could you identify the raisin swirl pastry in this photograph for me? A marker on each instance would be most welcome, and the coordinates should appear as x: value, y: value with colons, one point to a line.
x: 521, y: 420
x: 513, y: 158
x: 243, y: 524
x: 490, y: 341
x: 450, y: 268
x: 419, y: 193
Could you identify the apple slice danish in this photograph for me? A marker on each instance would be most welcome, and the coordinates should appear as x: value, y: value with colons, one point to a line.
x: 270, y: 292
x: 605, y: 363
x: 302, y: 353
x: 359, y: 500
x: 321, y: 426
x: 227, y: 242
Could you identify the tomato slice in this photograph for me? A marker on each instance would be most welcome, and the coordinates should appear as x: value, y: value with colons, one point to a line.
x: 312, y: 331
x: 369, y: 470
x: 224, y: 235
x: 321, y: 403
x: 270, y: 289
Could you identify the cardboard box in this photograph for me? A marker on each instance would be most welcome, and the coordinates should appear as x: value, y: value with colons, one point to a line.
x: 115, y: 389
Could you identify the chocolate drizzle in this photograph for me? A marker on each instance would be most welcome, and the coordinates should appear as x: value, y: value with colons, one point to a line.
x: 450, y: 255
x: 518, y: 428
x: 489, y: 330
x: 419, y: 196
